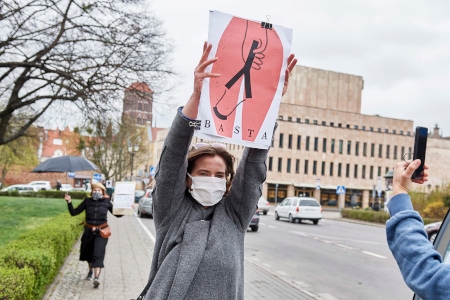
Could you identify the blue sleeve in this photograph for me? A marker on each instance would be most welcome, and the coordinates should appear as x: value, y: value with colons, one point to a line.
x: 420, y: 264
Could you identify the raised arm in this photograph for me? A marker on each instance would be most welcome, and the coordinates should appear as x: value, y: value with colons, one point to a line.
x: 170, y: 174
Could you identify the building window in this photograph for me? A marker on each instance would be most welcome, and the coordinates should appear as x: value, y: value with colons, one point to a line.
x: 408, y: 133
x: 288, y: 166
x: 299, y: 141
x: 372, y: 150
x: 339, y: 169
x: 315, y: 167
x: 280, y: 164
x: 363, y: 127
x: 324, y: 123
x: 332, y: 145
x: 349, y: 146
x: 341, y: 146
x: 395, y: 152
x: 386, y: 131
x: 280, y: 118
x: 307, y: 121
x: 298, y: 120
x: 339, y: 124
x: 355, y: 171
x: 306, y: 167
x: 388, y: 149
x: 297, y: 166
x: 316, y: 144
x: 371, y: 172
x: 280, y: 143
x: 365, y: 149
x: 315, y: 122
x: 363, y: 172
x: 289, y: 119
x: 331, y: 124
x: 379, y: 171
x: 348, y: 125
x: 331, y: 168
x: 403, y: 151
x: 270, y: 163
x: 290, y: 141
x: 386, y: 170
x: 380, y: 150
x: 307, y: 143
x: 323, y: 169
x: 355, y: 127
x: 394, y: 131
x: 371, y: 129
x: 401, y: 132
x: 324, y: 145
x: 379, y: 130
x: 356, y: 148
x: 347, y: 170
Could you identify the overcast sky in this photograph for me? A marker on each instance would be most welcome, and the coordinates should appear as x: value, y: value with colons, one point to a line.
x: 400, y: 47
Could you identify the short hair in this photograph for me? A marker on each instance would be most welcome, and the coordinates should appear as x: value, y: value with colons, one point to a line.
x: 229, y: 159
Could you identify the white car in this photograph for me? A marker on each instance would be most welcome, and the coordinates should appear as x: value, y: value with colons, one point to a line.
x: 299, y: 208
x: 66, y: 187
x: 263, y: 205
x: 42, y: 185
x: 21, y: 188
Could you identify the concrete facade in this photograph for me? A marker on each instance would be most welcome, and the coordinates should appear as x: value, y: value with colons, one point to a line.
x: 324, y: 140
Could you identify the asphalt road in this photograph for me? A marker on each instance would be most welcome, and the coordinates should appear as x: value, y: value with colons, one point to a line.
x: 333, y: 260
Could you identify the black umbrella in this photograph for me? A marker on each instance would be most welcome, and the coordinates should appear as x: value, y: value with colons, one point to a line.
x: 66, y: 164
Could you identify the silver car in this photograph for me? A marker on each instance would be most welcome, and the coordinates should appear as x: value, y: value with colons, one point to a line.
x: 263, y: 205
x: 145, y: 205
x: 299, y: 208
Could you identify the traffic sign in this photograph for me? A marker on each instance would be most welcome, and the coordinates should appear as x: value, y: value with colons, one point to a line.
x: 152, y: 171
x: 340, y: 190
x: 97, y: 176
x: 318, y: 184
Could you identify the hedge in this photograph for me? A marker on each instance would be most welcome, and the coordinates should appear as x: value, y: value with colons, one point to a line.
x: 46, y: 194
x: 30, y: 263
x: 374, y: 216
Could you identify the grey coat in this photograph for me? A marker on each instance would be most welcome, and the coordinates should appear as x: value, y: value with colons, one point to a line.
x: 199, y: 253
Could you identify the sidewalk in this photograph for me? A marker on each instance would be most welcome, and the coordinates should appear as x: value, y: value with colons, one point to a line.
x: 127, y: 267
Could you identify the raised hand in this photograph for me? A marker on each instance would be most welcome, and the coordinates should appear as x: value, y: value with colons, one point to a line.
x: 292, y: 61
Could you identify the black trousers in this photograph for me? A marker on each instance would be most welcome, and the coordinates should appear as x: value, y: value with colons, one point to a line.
x: 93, y: 248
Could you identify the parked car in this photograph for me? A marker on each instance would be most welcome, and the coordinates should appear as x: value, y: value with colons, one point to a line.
x: 137, y: 195
x: 254, y: 223
x: 432, y: 230
x: 21, y: 188
x: 299, y: 208
x: 145, y: 205
x: 263, y: 205
x: 66, y: 187
x: 42, y: 185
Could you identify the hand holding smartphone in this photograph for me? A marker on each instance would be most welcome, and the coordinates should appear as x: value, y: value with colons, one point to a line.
x: 420, y: 147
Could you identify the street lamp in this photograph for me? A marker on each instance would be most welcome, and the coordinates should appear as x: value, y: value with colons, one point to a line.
x: 132, y: 150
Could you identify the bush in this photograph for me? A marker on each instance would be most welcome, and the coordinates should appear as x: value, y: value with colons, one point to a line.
x: 16, y: 283
x: 42, y: 251
x: 366, y: 215
x: 46, y: 194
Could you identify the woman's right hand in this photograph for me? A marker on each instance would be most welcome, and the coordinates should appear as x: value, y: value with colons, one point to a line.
x: 190, y: 110
x: 68, y: 198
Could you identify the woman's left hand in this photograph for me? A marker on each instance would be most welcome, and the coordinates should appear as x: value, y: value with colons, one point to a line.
x: 292, y: 61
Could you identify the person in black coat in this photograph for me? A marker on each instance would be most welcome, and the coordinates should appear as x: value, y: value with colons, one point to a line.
x: 93, y: 245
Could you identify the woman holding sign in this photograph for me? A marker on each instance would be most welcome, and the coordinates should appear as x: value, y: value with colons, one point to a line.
x: 202, y: 209
x: 96, y: 229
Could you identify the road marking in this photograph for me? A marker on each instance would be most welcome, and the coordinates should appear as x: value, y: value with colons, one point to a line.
x: 345, y: 246
x: 150, y: 235
x: 373, y: 254
x: 271, y: 226
x: 261, y: 223
x: 299, y: 233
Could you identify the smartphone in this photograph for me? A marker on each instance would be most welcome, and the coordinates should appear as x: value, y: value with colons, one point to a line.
x: 420, y: 147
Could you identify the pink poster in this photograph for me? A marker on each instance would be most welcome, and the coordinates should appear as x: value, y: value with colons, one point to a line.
x: 241, y: 106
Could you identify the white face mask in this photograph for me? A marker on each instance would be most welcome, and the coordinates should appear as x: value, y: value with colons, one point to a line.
x: 97, y: 196
x: 207, y: 190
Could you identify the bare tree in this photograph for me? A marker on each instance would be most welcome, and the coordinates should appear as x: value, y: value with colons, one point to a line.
x: 77, y: 51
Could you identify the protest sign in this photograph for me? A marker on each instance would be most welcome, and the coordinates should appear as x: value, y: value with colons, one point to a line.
x: 123, y: 198
x: 241, y: 106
